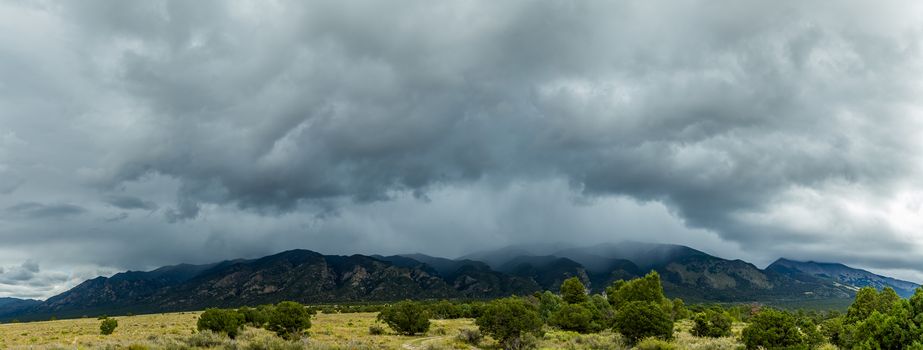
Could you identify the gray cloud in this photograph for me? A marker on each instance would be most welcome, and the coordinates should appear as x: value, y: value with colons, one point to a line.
x: 130, y: 203
x: 41, y: 211
x: 750, y: 129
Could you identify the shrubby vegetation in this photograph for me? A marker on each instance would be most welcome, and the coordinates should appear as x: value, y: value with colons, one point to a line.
x: 107, y: 326
x: 577, y: 311
x: 772, y: 329
x: 640, y: 319
x: 224, y: 321
x: 713, y: 323
x: 406, y: 317
x: 641, y: 310
x: 513, y: 322
x: 287, y: 319
x: 879, y: 320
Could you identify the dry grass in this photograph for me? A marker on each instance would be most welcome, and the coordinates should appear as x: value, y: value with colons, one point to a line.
x: 84, y: 333
x: 176, y: 331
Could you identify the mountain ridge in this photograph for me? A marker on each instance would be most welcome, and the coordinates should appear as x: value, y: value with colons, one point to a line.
x: 310, y: 277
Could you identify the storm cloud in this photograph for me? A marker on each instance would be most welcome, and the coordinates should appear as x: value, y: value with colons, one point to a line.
x: 162, y: 132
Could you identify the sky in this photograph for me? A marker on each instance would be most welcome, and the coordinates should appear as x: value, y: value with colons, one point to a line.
x: 147, y: 133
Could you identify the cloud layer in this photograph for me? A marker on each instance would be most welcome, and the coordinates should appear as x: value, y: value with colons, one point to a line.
x: 140, y: 134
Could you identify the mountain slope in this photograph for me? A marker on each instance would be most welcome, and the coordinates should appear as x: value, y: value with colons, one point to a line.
x: 547, y: 271
x: 848, y: 277
x: 14, y: 305
x: 298, y: 275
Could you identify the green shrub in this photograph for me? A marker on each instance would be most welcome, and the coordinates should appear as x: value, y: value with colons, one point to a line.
x: 679, y: 309
x: 641, y: 319
x: 832, y: 329
x: 655, y: 344
x: 647, y: 288
x: 470, y: 336
x: 575, y: 317
x: 256, y: 317
x: 445, y: 310
x: 107, y: 326
x: 772, y: 329
x: 406, y: 317
x: 376, y: 330
x: 712, y: 323
x: 289, y: 320
x: 511, y: 321
x: 548, y: 303
x: 221, y: 321
x: 810, y: 332
x: 881, y: 320
x: 573, y: 291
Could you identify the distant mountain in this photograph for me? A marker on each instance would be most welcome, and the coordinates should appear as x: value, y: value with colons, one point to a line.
x: 841, y: 274
x: 470, y: 278
x: 298, y: 275
x: 14, y: 305
x: 497, y: 257
x: 697, y: 276
x: 547, y: 271
x: 310, y: 277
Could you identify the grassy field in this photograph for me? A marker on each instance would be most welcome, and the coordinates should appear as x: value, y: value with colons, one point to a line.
x: 329, y: 331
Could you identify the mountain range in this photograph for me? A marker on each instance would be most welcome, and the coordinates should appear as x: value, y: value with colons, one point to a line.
x: 310, y: 277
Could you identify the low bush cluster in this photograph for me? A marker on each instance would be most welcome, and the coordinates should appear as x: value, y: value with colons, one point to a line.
x: 712, y: 323
x: 406, y: 317
x: 287, y: 319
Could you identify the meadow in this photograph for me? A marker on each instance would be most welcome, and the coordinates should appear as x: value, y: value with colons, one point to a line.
x: 329, y: 331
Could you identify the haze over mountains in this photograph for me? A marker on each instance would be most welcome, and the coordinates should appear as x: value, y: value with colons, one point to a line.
x: 310, y: 277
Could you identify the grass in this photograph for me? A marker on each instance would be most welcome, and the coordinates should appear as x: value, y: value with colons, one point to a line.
x: 328, y: 331
x: 176, y: 331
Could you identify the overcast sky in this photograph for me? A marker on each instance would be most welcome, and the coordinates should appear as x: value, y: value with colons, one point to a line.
x: 145, y: 133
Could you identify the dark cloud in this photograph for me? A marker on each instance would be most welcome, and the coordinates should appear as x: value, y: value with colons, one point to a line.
x: 42, y: 211
x: 130, y: 203
x: 752, y: 129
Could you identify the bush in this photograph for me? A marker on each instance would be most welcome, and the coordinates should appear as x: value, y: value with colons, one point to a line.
x: 289, y: 319
x: 548, y: 304
x: 221, y: 321
x: 772, y: 329
x: 206, y: 339
x: 470, y: 336
x: 107, y: 326
x: 525, y: 342
x: 832, y: 329
x: 376, y: 330
x: 445, y: 310
x: 641, y: 319
x: 511, y: 321
x: 679, y: 309
x: 647, y: 288
x: 881, y: 320
x: 573, y: 291
x: 406, y: 317
x: 574, y: 317
x: 712, y: 323
x: 810, y: 333
x: 655, y: 344
x: 256, y: 317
